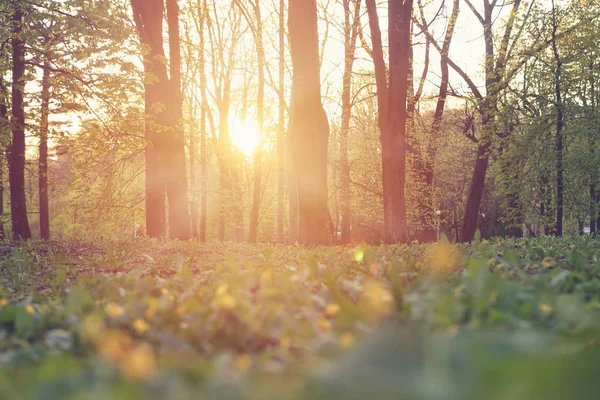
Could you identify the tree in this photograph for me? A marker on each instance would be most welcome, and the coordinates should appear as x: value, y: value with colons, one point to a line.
x: 165, y: 156
x: 16, y: 149
x: 351, y: 29
x: 393, y: 111
x: 308, y: 126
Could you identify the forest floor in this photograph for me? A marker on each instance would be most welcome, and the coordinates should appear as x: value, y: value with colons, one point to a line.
x: 500, y: 319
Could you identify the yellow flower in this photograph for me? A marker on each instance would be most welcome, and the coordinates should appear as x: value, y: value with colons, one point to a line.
x: 324, y: 324
x: 92, y: 327
x: 181, y: 309
x: 222, y: 289
x: 266, y: 278
x: 114, y: 310
x: 29, y: 309
x: 377, y: 298
x: 347, y: 339
x: 373, y: 269
x: 113, y: 345
x: 226, y: 301
x: 243, y: 362
x: 332, y: 310
x: 151, y: 310
x: 545, y: 308
x: 3, y: 302
x: 285, y: 342
x: 140, y: 363
x: 140, y: 326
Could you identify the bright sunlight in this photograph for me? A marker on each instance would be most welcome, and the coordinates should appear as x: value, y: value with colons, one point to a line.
x: 245, y: 136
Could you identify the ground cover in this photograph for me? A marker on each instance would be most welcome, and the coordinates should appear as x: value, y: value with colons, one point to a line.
x: 500, y: 319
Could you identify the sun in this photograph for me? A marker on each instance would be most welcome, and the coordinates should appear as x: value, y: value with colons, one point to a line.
x: 245, y: 136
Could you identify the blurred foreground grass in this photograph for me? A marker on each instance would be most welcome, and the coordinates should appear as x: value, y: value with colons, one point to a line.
x: 514, y: 319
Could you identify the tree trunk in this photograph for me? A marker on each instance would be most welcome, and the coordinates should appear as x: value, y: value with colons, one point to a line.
x: 382, y: 101
x: 281, y: 128
x: 148, y: 16
x: 309, y: 127
x: 203, y: 131
x: 177, y: 188
x: 293, y: 197
x: 192, y: 151
x: 475, y: 192
x: 3, y: 131
x: 260, y: 103
x: 43, y: 151
x: 559, y: 128
x: 16, y: 150
x: 394, y: 146
x: 351, y: 28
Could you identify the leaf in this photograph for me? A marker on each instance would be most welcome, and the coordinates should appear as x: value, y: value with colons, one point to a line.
x: 61, y: 276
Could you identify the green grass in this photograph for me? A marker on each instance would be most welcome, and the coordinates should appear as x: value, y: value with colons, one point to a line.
x: 514, y: 319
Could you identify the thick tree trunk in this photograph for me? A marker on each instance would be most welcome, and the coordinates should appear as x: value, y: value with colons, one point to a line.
x: 394, y: 146
x: 16, y: 151
x: 43, y: 151
x: 309, y: 127
x: 148, y: 16
x: 177, y: 188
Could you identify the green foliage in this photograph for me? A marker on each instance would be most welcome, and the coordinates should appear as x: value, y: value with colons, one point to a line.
x: 150, y: 319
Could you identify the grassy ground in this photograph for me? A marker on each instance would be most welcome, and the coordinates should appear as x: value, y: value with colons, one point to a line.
x: 516, y: 319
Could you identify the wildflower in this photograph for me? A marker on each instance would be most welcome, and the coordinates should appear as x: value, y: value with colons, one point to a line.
x: 140, y: 326
x: 324, y: 324
x: 347, y: 339
x: 140, y: 363
x: 92, y: 327
x: 243, y: 362
x: 332, y: 310
x: 29, y: 309
x: 113, y: 345
x: 3, y: 302
x: 545, y: 308
x: 226, y: 301
x: 114, y: 310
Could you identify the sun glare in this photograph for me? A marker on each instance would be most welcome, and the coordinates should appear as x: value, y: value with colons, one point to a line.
x: 245, y: 136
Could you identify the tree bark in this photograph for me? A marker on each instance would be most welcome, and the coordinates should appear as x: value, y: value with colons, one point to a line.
x: 177, y: 188
x: 43, y: 150
x: 558, y: 230
x: 281, y: 127
x: 394, y: 145
x: 351, y: 28
x: 148, y: 16
x: 165, y: 156
x: 16, y: 150
x: 309, y: 127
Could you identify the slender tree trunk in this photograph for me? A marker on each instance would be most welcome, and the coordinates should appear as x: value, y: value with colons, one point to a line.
x: 293, y: 196
x: 203, y: 131
x: 260, y: 103
x: 382, y: 103
x: 559, y: 128
x: 309, y: 127
x: 394, y: 146
x: 43, y: 151
x: 281, y: 128
x: 192, y: 150
x: 16, y: 151
x: 3, y: 125
x: 351, y: 28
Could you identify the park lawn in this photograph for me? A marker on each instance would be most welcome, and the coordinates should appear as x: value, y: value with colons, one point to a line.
x: 500, y: 319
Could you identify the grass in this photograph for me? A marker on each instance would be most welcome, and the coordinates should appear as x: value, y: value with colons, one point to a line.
x: 505, y: 319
